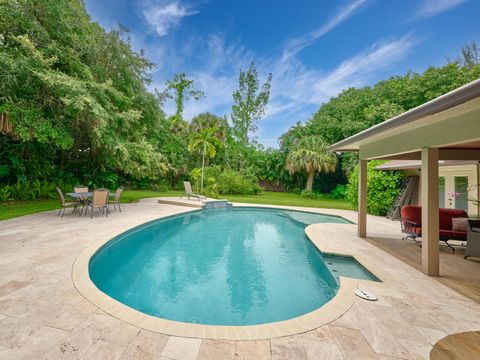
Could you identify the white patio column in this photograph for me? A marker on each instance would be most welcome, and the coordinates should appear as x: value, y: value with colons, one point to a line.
x: 362, y: 199
x: 430, y: 247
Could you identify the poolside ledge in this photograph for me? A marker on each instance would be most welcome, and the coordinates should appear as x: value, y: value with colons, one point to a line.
x: 319, y: 234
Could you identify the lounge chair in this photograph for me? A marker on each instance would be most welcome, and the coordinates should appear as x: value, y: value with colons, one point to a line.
x: 100, y: 201
x: 189, y: 193
x: 65, y: 204
x: 473, y: 239
x: 116, y: 199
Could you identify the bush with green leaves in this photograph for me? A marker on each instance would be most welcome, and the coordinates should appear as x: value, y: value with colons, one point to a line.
x: 223, y: 182
x: 340, y: 192
x: 309, y: 194
x: 31, y: 190
x: 382, y: 188
x: 233, y: 182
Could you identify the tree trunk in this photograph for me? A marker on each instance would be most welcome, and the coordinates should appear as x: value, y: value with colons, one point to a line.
x: 311, y: 177
x: 203, y: 165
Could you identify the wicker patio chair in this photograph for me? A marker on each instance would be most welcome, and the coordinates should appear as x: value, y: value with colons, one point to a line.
x: 82, y: 200
x: 80, y: 189
x: 473, y: 239
x: 100, y: 201
x: 64, y: 204
x: 116, y: 199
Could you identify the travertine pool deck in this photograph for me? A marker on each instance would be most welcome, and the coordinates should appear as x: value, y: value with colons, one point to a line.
x: 43, y: 316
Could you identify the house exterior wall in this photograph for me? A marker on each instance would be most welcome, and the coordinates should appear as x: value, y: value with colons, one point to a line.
x: 449, y: 173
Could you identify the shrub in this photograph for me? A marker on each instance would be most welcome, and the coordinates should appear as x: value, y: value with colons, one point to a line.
x: 308, y: 194
x: 340, y: 192
x: 160, y: 185
x: 218, y: 182
x: 31, y: 190
x: 382, y: 188
x: 232, y: 182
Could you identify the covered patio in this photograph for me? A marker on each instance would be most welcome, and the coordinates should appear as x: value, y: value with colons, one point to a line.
x: 446, y: 128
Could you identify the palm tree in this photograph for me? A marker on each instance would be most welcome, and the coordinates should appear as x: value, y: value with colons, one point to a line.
x: 207, y: 142
x: 208, y: 120
x: 310, y: 154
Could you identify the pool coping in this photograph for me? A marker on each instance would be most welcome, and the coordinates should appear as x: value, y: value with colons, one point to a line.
x: 327, y: 313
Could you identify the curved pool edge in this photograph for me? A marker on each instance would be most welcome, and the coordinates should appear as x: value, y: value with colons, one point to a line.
x: 318, y: 234
x: 327, y: 313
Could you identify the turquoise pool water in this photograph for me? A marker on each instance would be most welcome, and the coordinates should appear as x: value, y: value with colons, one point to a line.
x: 237, y: 266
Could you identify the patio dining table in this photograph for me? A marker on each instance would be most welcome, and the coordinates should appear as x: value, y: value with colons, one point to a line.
x: 83, y: 196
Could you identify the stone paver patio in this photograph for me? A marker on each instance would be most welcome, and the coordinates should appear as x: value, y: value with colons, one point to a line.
x: 42, y: 315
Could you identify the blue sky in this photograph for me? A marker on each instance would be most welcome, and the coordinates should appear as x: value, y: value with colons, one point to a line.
x: 314, y: 48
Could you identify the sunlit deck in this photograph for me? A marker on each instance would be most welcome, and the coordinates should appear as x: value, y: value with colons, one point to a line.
x: 456, y: 272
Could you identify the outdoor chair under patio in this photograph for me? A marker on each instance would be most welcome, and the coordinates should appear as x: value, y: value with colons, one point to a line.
x: 473, y: 239
x: 189, y: 193
x: 116, y: 199
x: 99, y: 200
x: 411, y: 224
x: 65, y: 204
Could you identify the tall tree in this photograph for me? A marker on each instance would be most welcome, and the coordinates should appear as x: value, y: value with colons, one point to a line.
x: 180, y: 89
x: 205, y: 142
x: 249, y: 103
x: 310, y: 154
x: 470, y: 55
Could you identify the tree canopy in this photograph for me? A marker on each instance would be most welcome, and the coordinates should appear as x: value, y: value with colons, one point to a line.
x: 180, y: 89
x: 75, y: 94
x: 75, y: 108
x: 310, y: 154
x: 249, y: 106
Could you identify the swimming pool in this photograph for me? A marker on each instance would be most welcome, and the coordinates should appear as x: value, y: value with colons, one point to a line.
x: 236, y: 266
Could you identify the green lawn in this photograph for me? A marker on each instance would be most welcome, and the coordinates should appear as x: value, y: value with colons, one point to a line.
x: 19, y: 208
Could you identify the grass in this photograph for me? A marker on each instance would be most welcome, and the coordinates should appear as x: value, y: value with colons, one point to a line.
x: 20, y: 208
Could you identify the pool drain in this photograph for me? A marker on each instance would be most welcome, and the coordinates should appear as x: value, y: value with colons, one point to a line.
x: 366, y: 295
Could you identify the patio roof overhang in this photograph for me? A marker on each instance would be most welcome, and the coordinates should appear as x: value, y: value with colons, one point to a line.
x: 450, y: 123
x: 416, y: 164
x: 445, y: 128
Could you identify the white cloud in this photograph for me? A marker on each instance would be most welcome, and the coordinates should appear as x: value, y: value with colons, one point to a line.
x: 166, y: 15
x: 360, y: 69
x: 433, y: 7
x: 216, y: 74
x: 297, y: 90
x: 297, y: 44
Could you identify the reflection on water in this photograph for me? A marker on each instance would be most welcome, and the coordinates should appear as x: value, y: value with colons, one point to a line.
x: 229, y: 267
